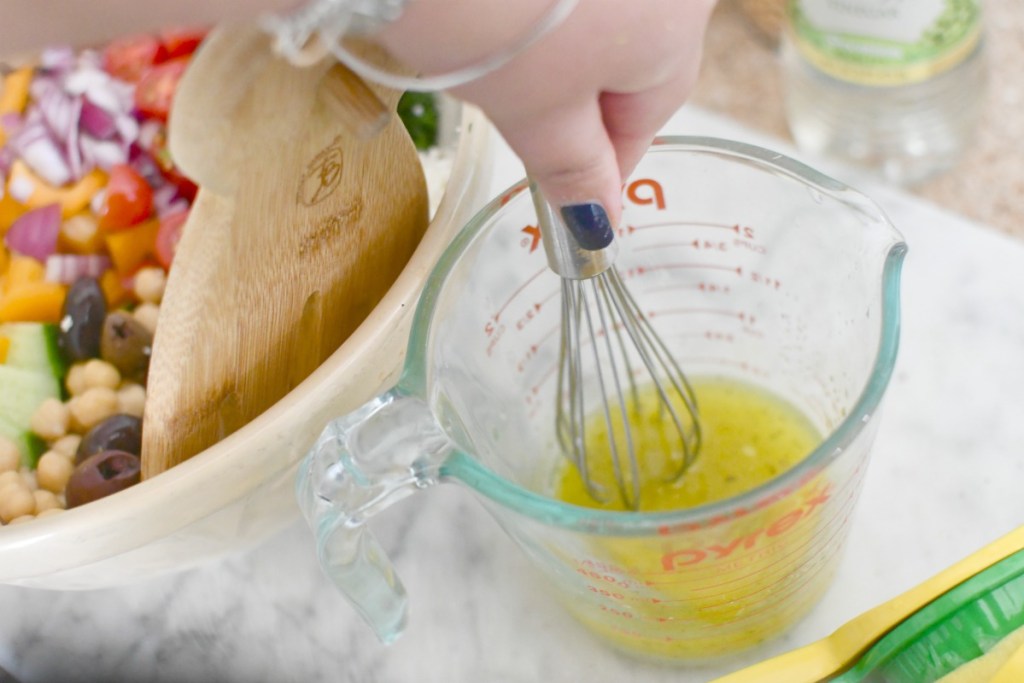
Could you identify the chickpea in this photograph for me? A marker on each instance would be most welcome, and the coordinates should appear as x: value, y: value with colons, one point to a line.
x: 28, y: 478
x: 149, y: 284
x: 15, y: 501
x: 131, y: 399
x: 67, y: 445
x: 147, y: 314
x: 45, y: 500
x: 100, y: 373
x: 50, y: 421
x: 91, y: 407
x: 10, y: 477
x: 50, y: 512
x: 10, y: 456
x: 53, y: 471
x: 75, y: 380
x: 81, y: 227
x: 22, y: 519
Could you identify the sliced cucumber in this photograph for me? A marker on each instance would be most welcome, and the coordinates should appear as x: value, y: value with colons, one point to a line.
x: 21, y: 392
x: 34, y: 347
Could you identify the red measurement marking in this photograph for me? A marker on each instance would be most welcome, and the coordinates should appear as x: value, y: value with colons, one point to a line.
x: 532, y: 239
x: 531, y: 314
x: 628, y: 230
x: 739, y: 315
x: 511, y: 298
x: 742, y: 365
x: 750, y: 246
x: 706, y: 245
x: 765, y: 280
x: 535, y: 389
x: 531, y: 352
x: 707, y: 266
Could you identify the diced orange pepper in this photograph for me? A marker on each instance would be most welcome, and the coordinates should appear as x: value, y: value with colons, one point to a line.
x: 22, y: 270
x: 80, y: 234
x: 72, y: 198
x: 10, y: 211
x: 33, y: 302
x: 130, y: 248
x: 114, y: 289
x: 14, y: 95
x: 5, y: 346
x: 5, y: 260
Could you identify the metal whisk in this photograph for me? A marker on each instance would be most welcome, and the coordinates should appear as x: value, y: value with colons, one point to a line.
x: 598, y: 309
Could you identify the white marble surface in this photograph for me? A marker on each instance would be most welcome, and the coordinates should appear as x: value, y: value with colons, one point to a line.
x: 944, y: 480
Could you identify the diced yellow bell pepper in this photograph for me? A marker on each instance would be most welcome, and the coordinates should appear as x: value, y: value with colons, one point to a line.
x: 33, y: 302
x: 72, y: 198
x: 22, y: 270
x: 14, y: 95
x: 10, y: 211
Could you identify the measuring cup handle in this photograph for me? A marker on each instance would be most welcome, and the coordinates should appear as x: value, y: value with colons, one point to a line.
x: 362, y: 463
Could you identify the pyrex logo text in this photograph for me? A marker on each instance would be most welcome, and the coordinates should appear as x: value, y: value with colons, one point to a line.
x: 688, y: 557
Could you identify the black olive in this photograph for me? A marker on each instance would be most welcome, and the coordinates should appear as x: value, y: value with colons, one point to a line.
x: 81, y: 320
x: 127, y: 345
x: 119, y: 432
x: 100, y: 475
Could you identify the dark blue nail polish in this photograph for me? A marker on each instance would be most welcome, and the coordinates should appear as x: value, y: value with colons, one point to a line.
x: 589, y: 224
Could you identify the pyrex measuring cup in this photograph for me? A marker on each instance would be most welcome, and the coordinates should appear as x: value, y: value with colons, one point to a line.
x: 752, y: 267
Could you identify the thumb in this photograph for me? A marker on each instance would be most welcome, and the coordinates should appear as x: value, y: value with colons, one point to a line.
x: 568, y: 153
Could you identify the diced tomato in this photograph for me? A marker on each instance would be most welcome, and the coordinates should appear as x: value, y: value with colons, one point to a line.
x: 186, y: 188
x: 168, y: 235
x: 181, y: 41
x: 128, y: 58
x: 155, y: 91
x: 162, y: 156
x: 128, y: 201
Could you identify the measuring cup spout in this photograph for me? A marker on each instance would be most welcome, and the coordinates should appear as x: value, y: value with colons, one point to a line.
x: 361, y: 464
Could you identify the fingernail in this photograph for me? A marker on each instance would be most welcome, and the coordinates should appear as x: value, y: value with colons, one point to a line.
x: 589, y: 224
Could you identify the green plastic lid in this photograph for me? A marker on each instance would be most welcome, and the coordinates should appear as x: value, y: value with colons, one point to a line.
x: 957, y: 627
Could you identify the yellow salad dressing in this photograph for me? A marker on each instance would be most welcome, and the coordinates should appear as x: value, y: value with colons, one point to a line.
x: 749, y: 436
x: 724, y: 585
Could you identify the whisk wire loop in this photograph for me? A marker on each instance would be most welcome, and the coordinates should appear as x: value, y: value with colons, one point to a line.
x: 630, y: 491
x: 662, y: 367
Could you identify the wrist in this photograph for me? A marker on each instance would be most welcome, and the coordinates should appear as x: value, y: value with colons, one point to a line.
x: 448, y: 42
x: 470, y: 31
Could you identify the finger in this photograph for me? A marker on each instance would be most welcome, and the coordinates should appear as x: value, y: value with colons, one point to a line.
x: 568, y: 153
x: 632, y: 120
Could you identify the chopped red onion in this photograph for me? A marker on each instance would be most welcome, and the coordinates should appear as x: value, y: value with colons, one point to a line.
x: 96, y: 121
x: 166, y: 200
x: 35, y: 233
x: 34, y: 144
x: 102, y: 153
x: 10, y: 121
x: 59, y: 59
x: 67, y: 268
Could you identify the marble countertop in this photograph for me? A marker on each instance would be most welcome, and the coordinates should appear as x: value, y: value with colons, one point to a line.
x: 944, y: 480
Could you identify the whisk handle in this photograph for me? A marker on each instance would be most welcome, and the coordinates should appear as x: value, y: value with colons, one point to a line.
x: 578, y: 252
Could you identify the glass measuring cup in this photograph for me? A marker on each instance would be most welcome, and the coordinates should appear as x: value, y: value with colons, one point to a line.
x: 751, y: 266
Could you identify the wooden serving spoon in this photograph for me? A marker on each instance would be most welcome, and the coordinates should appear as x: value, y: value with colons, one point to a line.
x: 312, y: 200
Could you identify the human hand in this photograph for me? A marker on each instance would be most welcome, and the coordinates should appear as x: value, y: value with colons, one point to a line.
x: 582, y: 104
